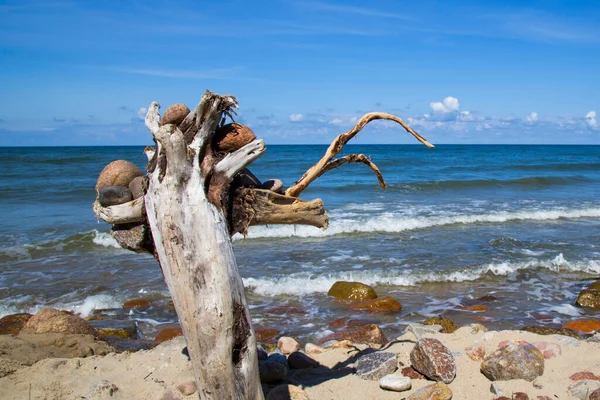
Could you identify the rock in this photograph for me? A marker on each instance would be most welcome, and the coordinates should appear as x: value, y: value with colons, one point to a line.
x: 279, y: 358
x: 520, y: 396
x: 338, y: 323
x: 123, y: 329
x: 265, y: 335
x: 117, y: 173
x: 368, y: 334
x: 549, y: 350
x: 582, y: 389
x: 495, y: 389
x: 411, y: 373
x: 476, y: 307
x: 174, y: 114
x: 584, y: 375
x: 584, y: 325
x: 434, y: 360
x: 134, y: 237
x: 376, y: 365
x: 232, y: 137
x: 102, y: 389
x: 287, y: 392
x: 487, y: 298
x: 381, y: 304
x: 136, y: 303
x: 12, y: 324
x: 245, y: 178
x: 50, y: 320
x: 352, y: 291
x: 130, y: 345
x: 311, y: 348
x: 272, y: 371
x: 419, y: 329
x: 436, y: 391
x: 589, y: 298
x: 595, y: 395
x: 114, y: 195
x: 475, y: 353
x: 168, y: 333
x: 261, y: 353
x: 544, y: 330
x: 395, y: 383
x: 447, y: 325
x: 298, y: 360
x: 287, y: 345
x: 286, y: 310
x: 187, y: 388
x: 476, y: 328
x: 514, y: 361
x: 595, y: 286
x: 136, y: 187
x: 274, y: 185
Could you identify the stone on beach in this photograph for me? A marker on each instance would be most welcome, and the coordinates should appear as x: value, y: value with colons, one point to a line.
x: 447, y: 325
x: 114, y: 195
x: 595, y: 285
x: 584, y: 325
x: 544, y: 330
x: 287, y: 392
x: 136, y: 186
x: 287, y: 345
x: 174, y: 114
x: 298, y: 360
x: 589, y: 298
x: 271, y: 371
x: 582, y: 389
x: 381, y: 304
x: 352, y: 291
x: 584, y: 375
x: 419, y: 329
x: 131, y: 237
x: 279, y: 358
x: 187, y: 388
x: 367, y: 334
x: 514, y: 361
x: 376, y: 365
x: 168, y: 333
x: 436, y: 391
x: 395, y: 383
x: 411, y: 373
x: 12, y: 324
x: 50, y: 320
x: 434, y: 360
x: 231, y: 137
x: 117, y: 173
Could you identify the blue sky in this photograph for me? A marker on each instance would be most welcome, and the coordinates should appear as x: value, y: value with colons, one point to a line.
x: 82, y: 72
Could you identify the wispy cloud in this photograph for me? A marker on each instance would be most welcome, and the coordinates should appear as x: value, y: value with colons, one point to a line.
x: 340, y: 8
x: 222, y: 73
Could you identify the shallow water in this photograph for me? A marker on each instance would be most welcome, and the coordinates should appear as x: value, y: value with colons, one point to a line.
x: 456, y: 223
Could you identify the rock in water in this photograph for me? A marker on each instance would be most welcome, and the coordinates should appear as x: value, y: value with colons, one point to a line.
x: 12, y: 324
x: 50, y: 320
x: 584, y: 325
x: 174, y: 114
x: 168, y: 333
x: 114, y: 195
x: 122, y: 329
x: 287, y: 392
x: 374, y: 366
x: 352, y: 291
x: 589, y: 298
x: 265, y: 334
x: 544, y: 330
x: 232, y: 137
x: 448, y: 325
x: 395, y: 383
x: 368, y: 334
x: 117, y: 173
x: 136, y: 186
x: 381, y: 304
x: 514, y: 361
x: 288, y: 345
x: 271, y: 371
x: 434, y: 360
x: 436, y: 391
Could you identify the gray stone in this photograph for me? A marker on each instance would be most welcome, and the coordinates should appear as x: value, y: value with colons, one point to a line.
x: 395, y: 383
x: 516, y: 360
x: 582, y: 389
x: 298, y: 360
x: 272, y: 371
x: 420, y: 329
x: 130, y: 236
x: 434, y: 360
x: 136, y: 186
x: 376, y: 365
x: 114, y: 195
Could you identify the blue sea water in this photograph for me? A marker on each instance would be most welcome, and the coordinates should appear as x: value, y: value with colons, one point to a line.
x: 456, y: 223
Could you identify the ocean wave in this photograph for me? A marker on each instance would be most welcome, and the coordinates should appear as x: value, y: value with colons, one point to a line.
x: 393, y: 223
x: 303, y: 283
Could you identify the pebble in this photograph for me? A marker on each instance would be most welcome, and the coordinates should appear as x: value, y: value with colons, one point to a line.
x: 374, y: 366
x: 352, y: 291
x: 298, y: 360
x: 136, y: 186
x: 514, y: 361
x: 168, y: 333
x: 187, y: 388
x: 434, y: 360
x: 380, y: 304
x: 436, y: 391
x: 272, y: 371
x: 395, y: 383
x: 287, y: 392
x: 287, y: 345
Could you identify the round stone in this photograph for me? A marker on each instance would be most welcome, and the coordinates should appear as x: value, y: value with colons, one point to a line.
x: 114, y: 195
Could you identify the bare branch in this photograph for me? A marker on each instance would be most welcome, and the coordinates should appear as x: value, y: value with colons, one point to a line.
x: 126, y: 213
x: 152, y: 117
x: 355, y: 158
x: 241, y: 158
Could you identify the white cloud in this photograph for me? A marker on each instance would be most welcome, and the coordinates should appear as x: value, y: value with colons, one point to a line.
x: 591, y: 119
x: 142, y: 113
x: 449, y: 105
x: 531, y: 118
x: 335, y: 121
x: 296, y: 117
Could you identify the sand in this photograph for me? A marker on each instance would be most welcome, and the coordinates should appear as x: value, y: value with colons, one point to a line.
x: 157, y: 373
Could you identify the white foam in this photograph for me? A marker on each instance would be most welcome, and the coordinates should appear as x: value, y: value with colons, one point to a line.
x: 104, y: 239
x: 566, y: 309
x: 392, y: 223
x: 91, y: 303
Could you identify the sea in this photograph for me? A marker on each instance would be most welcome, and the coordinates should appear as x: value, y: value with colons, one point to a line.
x: 458, y: 222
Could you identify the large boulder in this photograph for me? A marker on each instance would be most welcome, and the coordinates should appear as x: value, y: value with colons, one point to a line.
x: 381, y: 304
x: 50, y: 320
x: 12, y: 324
x: 117, y: 173
x: 367, y: 334
x: 434, y: 360
x: 352, y: 291
x: 375, y: 366
x: 114, y: 195
x: 589, y: 298
x: 516, y: 360
x: 232, y: 137
x: 174, y: 114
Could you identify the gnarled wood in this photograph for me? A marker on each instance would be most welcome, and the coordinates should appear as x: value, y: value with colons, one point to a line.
x: 355, y: 158
x: 126, y: 213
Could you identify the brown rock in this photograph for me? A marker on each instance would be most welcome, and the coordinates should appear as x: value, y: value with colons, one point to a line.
x: 287, y: 345
x: 584, y: 376
x: 286, y: 310
x: 232, y: 137
x: 168, y: 333
x: 543, y: 330
x: 475, y: 353
x: 589, y: 298
x: 434, y: 360
x: 352, y: 291
x: 136, y: 303
x: 520, y: 396
x: 411, y: 373
x: 124, y: 329
x: 381, y: 304
x: 338, y: 323
x: 114, y: 195
x: 584, y: 325
x: 117, y: 173
x: 187, y: 388
x: 448, y: 325
x: 514, y: 361
x: 368, y: 334
x: 298, y: 360
x: 595, y: 286
x: 595, y: 395
x: 12, y: 324
x: 136, y: 186
x: 436, y: 391
x: 476, y: 307
x: 50, y: 320
x: 265, y: 334
x: 487, y: 298
x: 287, y: 392
x: 174, y: 114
